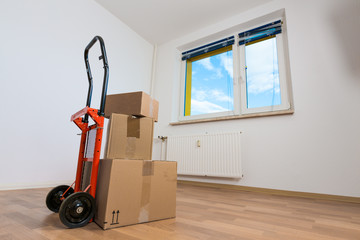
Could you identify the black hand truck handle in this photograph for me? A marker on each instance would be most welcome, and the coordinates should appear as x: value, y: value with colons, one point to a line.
x: 106, y: 74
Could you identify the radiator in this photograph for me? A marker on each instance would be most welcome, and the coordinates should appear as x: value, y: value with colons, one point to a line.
x: 215, y: 155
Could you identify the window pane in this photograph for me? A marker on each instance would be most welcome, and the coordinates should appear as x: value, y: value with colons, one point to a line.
x: 212, y: 84
x: 262, y: 74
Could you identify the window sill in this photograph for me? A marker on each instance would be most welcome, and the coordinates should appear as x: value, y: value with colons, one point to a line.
x: 251, y: 115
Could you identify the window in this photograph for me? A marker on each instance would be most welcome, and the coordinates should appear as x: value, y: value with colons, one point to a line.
x: 242, y: 74
x: 209, y: 83
x: 262, y: 74
x: 209, y: 79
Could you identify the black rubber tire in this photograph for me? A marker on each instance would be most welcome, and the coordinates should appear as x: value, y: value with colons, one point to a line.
x: 53, y: 200
x: 77, y: 210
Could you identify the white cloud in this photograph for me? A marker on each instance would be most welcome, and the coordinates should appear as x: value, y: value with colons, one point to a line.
x: 218, y: 73
x: 262, y: 83
x: 206, y: 63
x: 199, y: 95
x: 212, y: 95
x: 262, y: 71
x: 219, y: 96
x: 201, y: 107
x: 227, y: 63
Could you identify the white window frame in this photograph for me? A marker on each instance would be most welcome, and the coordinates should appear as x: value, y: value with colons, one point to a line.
x: 207, y: 115
x: 285, y: 103
x: 239, y: 83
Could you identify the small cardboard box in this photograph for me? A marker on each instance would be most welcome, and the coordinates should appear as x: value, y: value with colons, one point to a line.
x: 135, y: 191
x: 129, y: 137
x: 133, y: 103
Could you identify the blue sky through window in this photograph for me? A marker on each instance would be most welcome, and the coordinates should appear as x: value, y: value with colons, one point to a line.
x: 212, y: 79
x: 262, y: 74
x: 212, y: 84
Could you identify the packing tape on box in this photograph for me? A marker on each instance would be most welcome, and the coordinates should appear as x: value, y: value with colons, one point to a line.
x: 130, y: 147
x: 148, y: 172
x: 148, y: 168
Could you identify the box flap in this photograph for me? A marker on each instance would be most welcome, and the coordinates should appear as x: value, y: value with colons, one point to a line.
x: 116, y: 141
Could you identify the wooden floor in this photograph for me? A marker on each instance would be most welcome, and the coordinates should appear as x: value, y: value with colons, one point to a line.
x: 202, y: 213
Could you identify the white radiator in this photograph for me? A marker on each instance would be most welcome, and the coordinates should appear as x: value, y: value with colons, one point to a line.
x: 215, y: 155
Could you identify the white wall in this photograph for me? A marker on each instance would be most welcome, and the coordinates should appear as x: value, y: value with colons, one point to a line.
x: 317, y: 149
x: 43, y: 82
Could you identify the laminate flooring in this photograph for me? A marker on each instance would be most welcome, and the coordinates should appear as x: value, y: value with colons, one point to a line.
x: 202, y: 213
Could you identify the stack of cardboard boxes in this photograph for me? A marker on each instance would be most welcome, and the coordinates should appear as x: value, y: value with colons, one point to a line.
x: 131, y: 187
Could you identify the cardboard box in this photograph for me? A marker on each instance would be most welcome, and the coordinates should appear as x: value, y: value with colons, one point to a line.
x: 129, y: 137
x: 135, y: 191
x: 134, y: 103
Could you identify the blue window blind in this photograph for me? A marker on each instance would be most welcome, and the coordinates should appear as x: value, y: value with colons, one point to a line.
x: 208, y: 48
x: 267, y: 30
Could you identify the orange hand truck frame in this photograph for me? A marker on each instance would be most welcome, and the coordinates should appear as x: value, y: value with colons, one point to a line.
x: 76, y: 207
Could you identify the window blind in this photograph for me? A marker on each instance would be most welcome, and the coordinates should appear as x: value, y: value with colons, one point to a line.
x: 267, y: 30
x: 208, y: 48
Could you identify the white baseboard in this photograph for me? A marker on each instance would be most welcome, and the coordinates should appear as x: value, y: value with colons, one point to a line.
x: 16, y: 186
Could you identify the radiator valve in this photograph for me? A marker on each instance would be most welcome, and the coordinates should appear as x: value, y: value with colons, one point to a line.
x: 163, y: 138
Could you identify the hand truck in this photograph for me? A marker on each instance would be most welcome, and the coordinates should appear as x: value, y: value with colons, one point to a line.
x: 76, y: 207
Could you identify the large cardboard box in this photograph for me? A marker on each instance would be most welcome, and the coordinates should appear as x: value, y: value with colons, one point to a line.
x: 133, y: 103
x: 135, y: 191
x: 129, y: 137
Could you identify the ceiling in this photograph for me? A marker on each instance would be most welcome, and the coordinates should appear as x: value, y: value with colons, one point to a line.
x: 159, y: 21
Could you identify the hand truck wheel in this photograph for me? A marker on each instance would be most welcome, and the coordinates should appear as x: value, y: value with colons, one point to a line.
x: 77, y: 210
x: 53, y: 199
